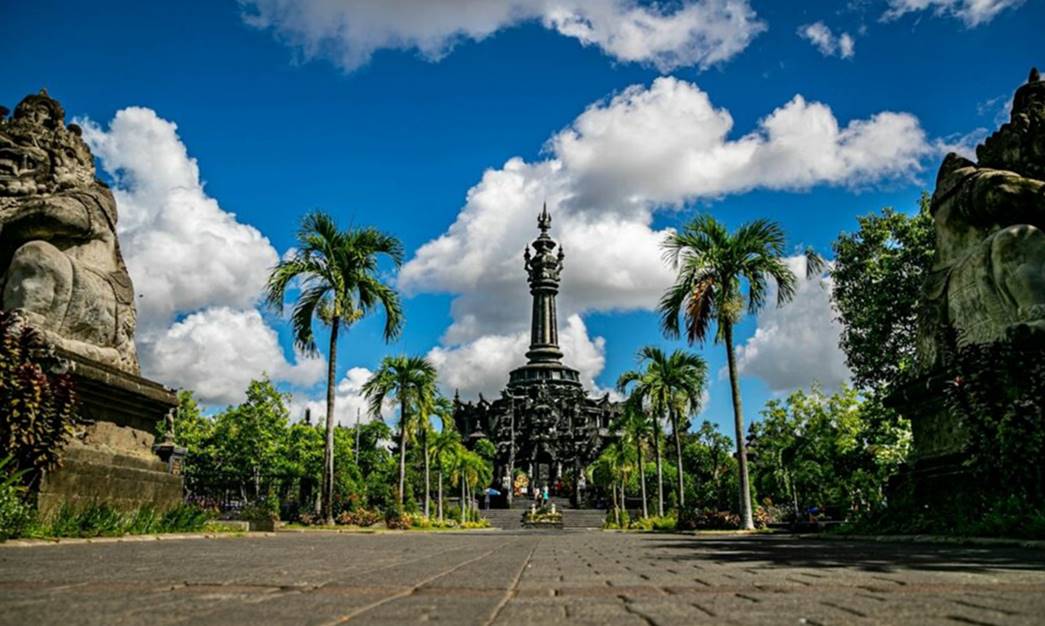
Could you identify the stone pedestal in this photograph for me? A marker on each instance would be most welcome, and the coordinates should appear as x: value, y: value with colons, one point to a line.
x: 114, y: 458
x: 935, y: 472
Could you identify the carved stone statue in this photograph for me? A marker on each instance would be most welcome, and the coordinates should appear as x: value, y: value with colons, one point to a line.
x: 988, y: 279
x: 60, y: 260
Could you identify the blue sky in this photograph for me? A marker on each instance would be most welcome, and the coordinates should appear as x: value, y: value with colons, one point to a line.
x: 391, y: 120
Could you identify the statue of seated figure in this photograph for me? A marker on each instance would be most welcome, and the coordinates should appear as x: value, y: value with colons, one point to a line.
x: 60, y: 261
x: 988, y: 279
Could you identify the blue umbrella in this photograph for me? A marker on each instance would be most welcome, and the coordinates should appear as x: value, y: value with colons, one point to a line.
x: 490, y: 491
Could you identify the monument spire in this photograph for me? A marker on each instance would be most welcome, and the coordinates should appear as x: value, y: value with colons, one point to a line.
x: 543, y: 269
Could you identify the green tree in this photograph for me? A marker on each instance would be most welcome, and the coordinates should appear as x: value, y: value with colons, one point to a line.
x: 446, y: 444
x: 709, y: 462
x: 637, y: 429
x: 195, y: 432
x: 878, y: 275
x: 470, y: 469
x: 339, y: 284
x: 817, y: 449
x: 713, y: 266
x: 610, y: 471
x: 250, y: 438
x: 672, y: 385
x: 411, y: 381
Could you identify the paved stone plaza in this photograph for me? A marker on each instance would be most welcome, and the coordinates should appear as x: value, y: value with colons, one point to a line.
x: 582, y: 577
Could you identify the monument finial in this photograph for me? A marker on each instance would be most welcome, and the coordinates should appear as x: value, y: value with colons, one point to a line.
x: 544, y: 220
x: 1034, y: 75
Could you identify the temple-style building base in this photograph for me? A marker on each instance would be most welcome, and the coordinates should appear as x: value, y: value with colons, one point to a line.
x: 115, y: 459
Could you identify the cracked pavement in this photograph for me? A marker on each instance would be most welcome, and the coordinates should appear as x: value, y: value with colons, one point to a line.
x: 523, y: 577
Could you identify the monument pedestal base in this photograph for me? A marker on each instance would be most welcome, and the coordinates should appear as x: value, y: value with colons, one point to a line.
x: 935, y: 474
x: 114, y: 458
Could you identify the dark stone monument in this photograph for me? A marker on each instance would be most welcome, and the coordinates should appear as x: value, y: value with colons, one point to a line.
x: 544, y: 423
x: 987, y: 283
x: 62, y: 270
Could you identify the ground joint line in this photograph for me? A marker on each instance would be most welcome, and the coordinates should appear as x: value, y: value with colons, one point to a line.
x: 512, y: 590
x: 412, y: 590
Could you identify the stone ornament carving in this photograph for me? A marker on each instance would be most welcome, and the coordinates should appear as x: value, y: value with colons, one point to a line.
x: 60, y: 260
x: 988, y: 277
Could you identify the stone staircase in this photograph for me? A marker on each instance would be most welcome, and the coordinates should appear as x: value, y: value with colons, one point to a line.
x: 511, y: 519
x: 583, y: 518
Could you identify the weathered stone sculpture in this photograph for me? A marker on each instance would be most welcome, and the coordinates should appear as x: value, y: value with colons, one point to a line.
x: 988, y: 280
x: 986, y: 291
x: 61, y: 267
x: 60, y: 260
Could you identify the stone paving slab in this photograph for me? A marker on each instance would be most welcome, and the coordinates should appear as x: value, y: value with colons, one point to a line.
x: 521, y: 577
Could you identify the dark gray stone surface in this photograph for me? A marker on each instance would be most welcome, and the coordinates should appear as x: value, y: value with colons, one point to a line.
x: 581, y: 577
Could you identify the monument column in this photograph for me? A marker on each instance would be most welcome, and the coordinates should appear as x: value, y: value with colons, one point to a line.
x: 543, y: 268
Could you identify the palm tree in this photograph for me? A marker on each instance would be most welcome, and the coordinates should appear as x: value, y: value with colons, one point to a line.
x: 411, y: 381
x: 472, y: 470
x: 444, y: 410
x: 672, y: 385
x: 611, y: 469
x: 445, y: 446
x: 636, y: 426
x: 337, y: 277
x: 713, y: 266
x: 646, y: 402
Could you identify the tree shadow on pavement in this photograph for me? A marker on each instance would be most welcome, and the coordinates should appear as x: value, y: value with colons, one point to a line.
x: 795, y: 551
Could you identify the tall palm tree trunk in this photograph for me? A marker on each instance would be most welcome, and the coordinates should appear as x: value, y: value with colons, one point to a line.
x: 439, y: 501
x: 642, y: 477
x: 738, y: 424
x: 428, y: 480
x: 616, y: 507
x: 402, y: 453
x: 660, y: 469
x: 462, y: 498
x: 678, y: 457
x: 328, y: 449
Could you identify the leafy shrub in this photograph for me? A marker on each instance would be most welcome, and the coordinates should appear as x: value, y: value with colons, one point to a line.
x: 309, y: 519
x: 261, y: 510
x: 664, y: 523
x: 396, y: 519
x: 694, y: 519
x: 15, y: 514
x: 454, y: 512
x: 37, y: 398
x: 617, y: 518
x: 998, y: 390
x: 359, y: 517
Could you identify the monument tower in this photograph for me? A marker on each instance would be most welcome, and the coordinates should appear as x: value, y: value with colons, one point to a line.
x: 543, y: 268
x: 544, y: 425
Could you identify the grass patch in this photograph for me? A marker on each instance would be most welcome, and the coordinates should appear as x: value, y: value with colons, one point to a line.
x: 102, y: 520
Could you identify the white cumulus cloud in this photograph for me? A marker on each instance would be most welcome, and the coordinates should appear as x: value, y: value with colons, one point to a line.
x: 189, y: 260
x: 606, y: 175
x: 216, y: 352
x: 349, y: 402
x: 827, y: 42
x: 482, y: 364
x: 971, y: 12
x: 797, y: 344
x: 689, y: 33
